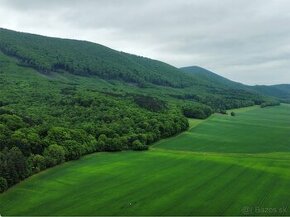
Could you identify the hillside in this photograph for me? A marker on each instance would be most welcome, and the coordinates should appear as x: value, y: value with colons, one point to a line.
x: 61, y: 99
x: 207, y: 77
x: 281, y: 91
x: 52, y: 55
x: 48, y: 54
x: 203, y: 76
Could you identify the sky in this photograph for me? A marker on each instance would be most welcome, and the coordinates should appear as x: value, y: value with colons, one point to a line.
x: 244, y: 40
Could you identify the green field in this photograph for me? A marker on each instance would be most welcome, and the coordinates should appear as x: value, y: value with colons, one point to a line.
x: 222, y: 166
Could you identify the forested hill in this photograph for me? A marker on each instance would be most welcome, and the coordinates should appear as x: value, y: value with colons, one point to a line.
x: 281, y: 91
x: 61, y: 99
x: 48, y: 54
x: 203, y: 76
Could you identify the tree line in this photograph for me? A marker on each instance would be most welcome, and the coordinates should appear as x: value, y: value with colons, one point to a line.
x: 77, y: 125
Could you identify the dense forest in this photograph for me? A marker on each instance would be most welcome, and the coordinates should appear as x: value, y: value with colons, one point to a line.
x: 61, y: 99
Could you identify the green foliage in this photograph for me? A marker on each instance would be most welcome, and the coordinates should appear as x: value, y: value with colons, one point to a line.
x: 62, y: 99
x: 138, y: 146
x: 13, y: 122
x: 37, y: 163
x: 73, y: 150
x: 84, y: 58
x: 196, y: 110
x: 13, y: 165
x: 54, y: 154
x: 150, y: 103
x: 3, y: 185
x: 28, y: 141
x: 233, y: 114
x: 270, y: 103
x: 223, y: 112
x: 213, y: 169
x: 281, y: 91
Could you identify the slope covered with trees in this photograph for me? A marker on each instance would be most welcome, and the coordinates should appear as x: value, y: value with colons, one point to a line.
x: 61, y: 99
x: 209, y: 78
x: 45, y: 121
x: 279, y: 92
x: 84, y: 58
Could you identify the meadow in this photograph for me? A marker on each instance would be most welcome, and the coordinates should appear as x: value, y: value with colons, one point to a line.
x: 221, y: 166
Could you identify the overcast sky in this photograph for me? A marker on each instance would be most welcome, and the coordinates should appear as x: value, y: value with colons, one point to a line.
x: 245, y: 40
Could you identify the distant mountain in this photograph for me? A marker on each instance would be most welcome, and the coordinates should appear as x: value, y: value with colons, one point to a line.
x: 204, y: 76
x: 281, y: 91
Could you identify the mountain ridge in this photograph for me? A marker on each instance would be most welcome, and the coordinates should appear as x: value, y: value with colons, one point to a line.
x: 84, y: 58
x: 279, y: 91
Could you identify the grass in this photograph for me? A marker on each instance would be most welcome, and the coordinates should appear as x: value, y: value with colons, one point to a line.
x: 221, y: 166
x: 252, y: 130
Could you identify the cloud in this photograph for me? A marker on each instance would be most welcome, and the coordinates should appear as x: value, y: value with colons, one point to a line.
x: 245, y: 40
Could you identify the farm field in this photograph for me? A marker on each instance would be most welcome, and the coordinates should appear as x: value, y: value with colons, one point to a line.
x: 222, y: 166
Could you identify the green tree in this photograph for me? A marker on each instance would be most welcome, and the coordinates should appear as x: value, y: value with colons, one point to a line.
x: 18, y: 162
x: 138, y: 146
x: 73, y: 150
x: 37, y: 163
x: 54, y: 154
x: 3, y: 184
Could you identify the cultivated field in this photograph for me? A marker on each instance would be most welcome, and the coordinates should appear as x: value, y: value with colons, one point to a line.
x: 222, y: 166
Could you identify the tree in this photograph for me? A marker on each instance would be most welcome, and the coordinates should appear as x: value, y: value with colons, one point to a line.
x: 27, y: 141
x: 196, y: 110
x: 138, y: 146
x: 3, y: 184
x: 233, y: 114
x: 13, y: 165
x: 37, y: 163
x: 73, y: 150
x: 13, y: 122
x: 102, y: 142
x: 58, y: 135
x: 4, y: 136
x: 17, y: 162
x: 223, y: 112
x: 54, y: 154
x: 270, y: 103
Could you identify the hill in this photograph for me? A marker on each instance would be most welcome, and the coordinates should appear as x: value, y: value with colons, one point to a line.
x: 281, y: 91
x: 61, y: 99
x: 52, y: 55
x: 207, y: 77
x: 48, y: 54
